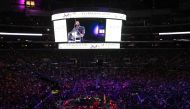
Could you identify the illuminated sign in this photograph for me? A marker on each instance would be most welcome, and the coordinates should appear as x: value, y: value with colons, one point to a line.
x: 89, y: 46
x: 89, y: 14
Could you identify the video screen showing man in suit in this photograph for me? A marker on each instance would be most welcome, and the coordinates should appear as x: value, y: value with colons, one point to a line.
x: 77, y: 33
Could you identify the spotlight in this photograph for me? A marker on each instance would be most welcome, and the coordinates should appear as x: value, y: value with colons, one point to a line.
x: 27, y: 3
x: 30, y: 3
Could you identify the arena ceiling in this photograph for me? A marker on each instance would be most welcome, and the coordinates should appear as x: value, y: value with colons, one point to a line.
x: 144, y: 18
x: 6, y: 5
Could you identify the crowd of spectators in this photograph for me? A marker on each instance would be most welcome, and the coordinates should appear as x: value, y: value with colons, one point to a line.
x: 132, y: 81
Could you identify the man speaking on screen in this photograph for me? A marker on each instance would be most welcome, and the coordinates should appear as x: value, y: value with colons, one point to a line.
x: 77, y: 33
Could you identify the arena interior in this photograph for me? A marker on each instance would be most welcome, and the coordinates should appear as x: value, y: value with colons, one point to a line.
x: 148, y: 67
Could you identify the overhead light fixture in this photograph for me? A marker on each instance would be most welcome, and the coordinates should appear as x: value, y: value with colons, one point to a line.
x: 30, y: 3
x: 20, y: 34
x: 174, y: 33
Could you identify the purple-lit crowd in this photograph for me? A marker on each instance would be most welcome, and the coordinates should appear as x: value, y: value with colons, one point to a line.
x: 27, y: 82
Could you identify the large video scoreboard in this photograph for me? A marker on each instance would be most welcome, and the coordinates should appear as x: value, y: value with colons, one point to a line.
x: 88, y: 29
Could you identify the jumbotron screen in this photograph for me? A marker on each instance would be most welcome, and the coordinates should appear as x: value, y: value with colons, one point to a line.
x: 88, y: 30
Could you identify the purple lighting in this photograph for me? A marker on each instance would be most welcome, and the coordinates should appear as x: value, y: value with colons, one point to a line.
x: 21, y: 5
x: 96, y: 30
x: 21, y: 2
